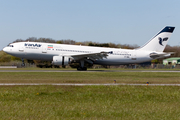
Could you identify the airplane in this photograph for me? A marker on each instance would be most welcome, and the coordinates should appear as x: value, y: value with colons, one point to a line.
x: 63, y: 54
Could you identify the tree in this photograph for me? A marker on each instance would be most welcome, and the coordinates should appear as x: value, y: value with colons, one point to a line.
x: 5, y: 57
x: 13, y: 58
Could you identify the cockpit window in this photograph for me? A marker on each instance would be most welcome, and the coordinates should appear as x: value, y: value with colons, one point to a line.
x: 10, y: 45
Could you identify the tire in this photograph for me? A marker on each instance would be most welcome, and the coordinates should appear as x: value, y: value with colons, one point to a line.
x: 82, y: 69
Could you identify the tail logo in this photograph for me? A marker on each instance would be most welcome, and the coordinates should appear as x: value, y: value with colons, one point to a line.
x: 162, y: 40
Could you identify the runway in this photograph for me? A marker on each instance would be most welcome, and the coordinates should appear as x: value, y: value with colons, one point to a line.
x: 77, y: 84
x: 16, y: 70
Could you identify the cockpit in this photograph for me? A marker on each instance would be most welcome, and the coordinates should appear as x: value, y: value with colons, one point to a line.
x: 9, y: 48
x: 10, y: 45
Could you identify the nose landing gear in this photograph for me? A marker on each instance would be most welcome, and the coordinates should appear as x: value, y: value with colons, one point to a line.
x: 23, y: 64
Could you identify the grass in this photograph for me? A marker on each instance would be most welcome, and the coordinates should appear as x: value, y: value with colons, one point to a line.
x: 90, y: 102
x: 89, y: 77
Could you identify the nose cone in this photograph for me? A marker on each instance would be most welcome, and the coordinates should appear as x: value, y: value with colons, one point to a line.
x: 5, y: 49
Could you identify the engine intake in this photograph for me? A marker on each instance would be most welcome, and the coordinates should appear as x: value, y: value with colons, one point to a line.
x: 60, y: 60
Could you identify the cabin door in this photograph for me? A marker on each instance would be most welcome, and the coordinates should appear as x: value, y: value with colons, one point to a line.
x: 133, y: 55
x: 21, y: 48
x: 44, y: 49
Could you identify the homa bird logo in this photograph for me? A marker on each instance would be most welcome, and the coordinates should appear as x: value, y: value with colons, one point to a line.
x: 162, y: 40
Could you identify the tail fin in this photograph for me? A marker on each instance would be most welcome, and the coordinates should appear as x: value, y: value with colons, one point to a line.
x: 159, y: 41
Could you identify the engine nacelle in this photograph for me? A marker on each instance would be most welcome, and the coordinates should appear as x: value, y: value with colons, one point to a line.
x: 60, y: 60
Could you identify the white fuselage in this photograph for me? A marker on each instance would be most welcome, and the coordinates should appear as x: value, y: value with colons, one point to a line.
x: 46, y: 51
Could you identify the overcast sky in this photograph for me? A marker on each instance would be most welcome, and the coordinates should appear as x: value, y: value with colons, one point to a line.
x: 117, y: 21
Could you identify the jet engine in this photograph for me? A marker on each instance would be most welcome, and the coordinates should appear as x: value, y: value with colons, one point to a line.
x: 60, y: 60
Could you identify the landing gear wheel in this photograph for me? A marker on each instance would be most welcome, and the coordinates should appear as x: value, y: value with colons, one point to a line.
x: 82, y: 68
x: 23, y: 64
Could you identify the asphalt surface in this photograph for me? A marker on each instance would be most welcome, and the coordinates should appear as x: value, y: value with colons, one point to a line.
x: 16, y: 70
x: 77, y: 84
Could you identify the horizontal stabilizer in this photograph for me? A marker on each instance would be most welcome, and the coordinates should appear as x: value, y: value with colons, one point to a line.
x: 164, y: 54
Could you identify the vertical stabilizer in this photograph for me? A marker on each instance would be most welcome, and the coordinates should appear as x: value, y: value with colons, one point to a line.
x: 159, y: 41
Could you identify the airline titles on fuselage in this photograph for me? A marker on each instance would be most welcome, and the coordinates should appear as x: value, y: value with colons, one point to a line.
x: 32, y: 46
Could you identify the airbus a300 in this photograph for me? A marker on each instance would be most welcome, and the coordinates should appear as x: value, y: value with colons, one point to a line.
x: 62, y: 54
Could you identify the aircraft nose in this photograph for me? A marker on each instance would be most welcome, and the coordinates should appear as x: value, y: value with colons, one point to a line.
x: 5, y: 49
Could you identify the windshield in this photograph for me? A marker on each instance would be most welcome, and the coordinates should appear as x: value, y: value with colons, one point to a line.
x: 10, y: 45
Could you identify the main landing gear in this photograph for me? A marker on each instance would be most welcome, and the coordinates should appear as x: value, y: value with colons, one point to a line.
x: 81, y: 67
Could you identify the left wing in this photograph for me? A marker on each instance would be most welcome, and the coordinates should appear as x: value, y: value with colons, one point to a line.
x: 89, y: 56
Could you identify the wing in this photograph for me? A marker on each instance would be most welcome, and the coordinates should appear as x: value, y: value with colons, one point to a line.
x: 89, y: 57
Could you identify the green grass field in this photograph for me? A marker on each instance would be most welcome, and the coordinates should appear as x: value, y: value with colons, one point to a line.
x: 89, y: 77
x: 89, y: 102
